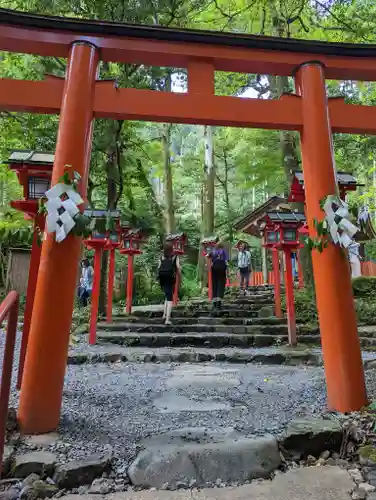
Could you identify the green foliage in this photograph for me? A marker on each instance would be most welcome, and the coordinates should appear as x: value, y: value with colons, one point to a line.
x: 127, y: 163
x: 366, y: 310
x: 364, y: 286
x: 12, y: 236
x: 305, y: 306
x: 364, y: 291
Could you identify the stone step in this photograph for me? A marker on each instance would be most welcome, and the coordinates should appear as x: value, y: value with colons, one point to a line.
x: 191, y: 320
x: 268, y: 356
x: 366, y: 332
x: 227, y: 311
x: 200, y: 327
x: 269, y: 299
x: 199, y: 339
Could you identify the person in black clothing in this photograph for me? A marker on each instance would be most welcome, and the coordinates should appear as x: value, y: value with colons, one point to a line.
x: 219, y: 263
x: 169, y: 268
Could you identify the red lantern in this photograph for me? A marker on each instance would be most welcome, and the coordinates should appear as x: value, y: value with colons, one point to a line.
x: 346, y: 182
x: 208, y: 244
x: 100, y: 235
x: 281, y: 232
x: 34, y: 172
x: 178, y: 241
x: 281, y: 229
x: 100, y: 240
x: 131, y: 242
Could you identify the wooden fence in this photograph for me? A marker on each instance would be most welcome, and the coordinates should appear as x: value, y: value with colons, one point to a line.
x: 256, y: 277
x: 368, y: 268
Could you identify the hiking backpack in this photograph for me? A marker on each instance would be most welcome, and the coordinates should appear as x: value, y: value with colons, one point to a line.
x: 167, y: 269
x: 219, y: 263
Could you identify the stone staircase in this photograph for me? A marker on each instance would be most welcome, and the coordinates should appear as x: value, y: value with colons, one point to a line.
x: 244, y: 331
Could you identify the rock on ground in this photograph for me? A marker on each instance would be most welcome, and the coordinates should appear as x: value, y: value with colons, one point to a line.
x: 231, y: 461
x: 42, y: 440
x: 313, y: 483
x: 311, y: 436
x: 78, y: 472
x: 38, y: 462
x: 38, y: 489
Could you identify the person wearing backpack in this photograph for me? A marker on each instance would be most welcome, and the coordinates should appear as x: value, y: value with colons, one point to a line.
x: 244, y: 266
x: 219, y: 261
x: 168, y: 269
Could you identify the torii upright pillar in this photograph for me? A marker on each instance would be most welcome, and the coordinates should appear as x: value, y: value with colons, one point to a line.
x: 335, y: 303
x: 46, y: 358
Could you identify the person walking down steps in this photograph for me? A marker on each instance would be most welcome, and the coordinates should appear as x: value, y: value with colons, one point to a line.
x: 244, y: 266
x: 219, y: 263
x: 169, y: 268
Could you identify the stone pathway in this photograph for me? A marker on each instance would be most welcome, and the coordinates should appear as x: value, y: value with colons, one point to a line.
x: 245, y: 331
x: 193, y: 423
x: 314, y: 483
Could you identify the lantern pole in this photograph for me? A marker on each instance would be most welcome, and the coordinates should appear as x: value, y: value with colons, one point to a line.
x: 300, y: 270
x: 36, y: 248
x: 290, y: 306
x: 210, y: 279
x: 129, y: 285
x: 95, y: 294
x: 111, y: 279
x: 277, y: 283
x: 176, y: 289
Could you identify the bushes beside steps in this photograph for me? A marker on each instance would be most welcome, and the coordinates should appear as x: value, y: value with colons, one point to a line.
x: 364, y: 289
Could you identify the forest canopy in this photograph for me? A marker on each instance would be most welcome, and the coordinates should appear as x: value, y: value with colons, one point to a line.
x: 197, y: 179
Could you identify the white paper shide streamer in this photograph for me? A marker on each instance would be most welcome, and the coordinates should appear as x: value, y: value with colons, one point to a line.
x: 341, y: 230
x: 62, y: 208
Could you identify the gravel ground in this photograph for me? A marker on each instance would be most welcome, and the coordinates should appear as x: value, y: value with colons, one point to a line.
x: 116, y: 406
x: 110, y: 408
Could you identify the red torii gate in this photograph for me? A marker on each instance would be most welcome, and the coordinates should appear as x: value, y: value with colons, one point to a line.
x: 80, y: 97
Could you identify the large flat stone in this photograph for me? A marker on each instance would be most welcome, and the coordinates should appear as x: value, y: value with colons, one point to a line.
x: 203, y: 376
x: 191, y: 435
x: 230, y: 461
x: 79, y: 472
x: 313, y: 483
x: 311, y: 436
x: 174, y: 403
x: 42, y: 440
x: 38, y: 462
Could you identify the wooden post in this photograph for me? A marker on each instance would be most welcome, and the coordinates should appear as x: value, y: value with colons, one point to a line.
x: 264, y: 256
x: 129, y: 285
x: 300, y: 270
x: 95, y: 296
x: 46, y: 357
x: 36, y: 248
x: 290, y: 306
x: 335, y: 303
x: 277, y: 283
x: 111, y: 279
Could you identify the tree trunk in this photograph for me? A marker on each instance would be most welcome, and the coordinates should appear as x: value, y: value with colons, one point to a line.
x: 291, y: 164
x: 168, y: 190
x: 208, y: 225
x: 207, y: 198
x: 114, y: 192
